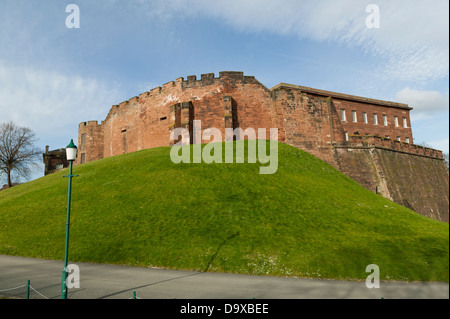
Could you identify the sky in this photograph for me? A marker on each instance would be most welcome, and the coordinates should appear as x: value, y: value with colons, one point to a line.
x: 54, y: 76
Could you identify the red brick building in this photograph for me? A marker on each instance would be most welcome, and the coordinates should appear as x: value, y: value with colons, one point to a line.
x: 329, y: 125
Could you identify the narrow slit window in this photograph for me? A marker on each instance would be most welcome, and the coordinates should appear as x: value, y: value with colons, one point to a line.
x: 385, y: 122
x: 343, y: 117
x: 405, y: 123
x: 365, y: 117
x: 375, y: 119
x: 396, y: 121
x: 354, y: 117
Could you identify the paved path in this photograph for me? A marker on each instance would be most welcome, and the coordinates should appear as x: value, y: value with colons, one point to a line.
x: 119, y: 282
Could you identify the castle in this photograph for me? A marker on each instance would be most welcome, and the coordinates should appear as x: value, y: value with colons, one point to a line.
x: 369, y: 140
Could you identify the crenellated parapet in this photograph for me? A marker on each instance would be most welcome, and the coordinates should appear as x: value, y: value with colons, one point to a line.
x: 89, y: 124
x: 394, y: 145
x: 225, y: 78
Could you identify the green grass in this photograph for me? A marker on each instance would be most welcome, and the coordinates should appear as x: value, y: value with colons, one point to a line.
x: 306, y: 220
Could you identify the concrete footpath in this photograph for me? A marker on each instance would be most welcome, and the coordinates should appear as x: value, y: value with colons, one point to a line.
x: 119, y: 282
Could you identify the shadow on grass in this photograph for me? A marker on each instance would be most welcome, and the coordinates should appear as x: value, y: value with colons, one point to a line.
x: 218, y: 249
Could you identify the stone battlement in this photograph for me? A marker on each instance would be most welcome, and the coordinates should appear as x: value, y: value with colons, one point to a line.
x: 180, y: 83
x: 89, y: 123
x: 386, y: 143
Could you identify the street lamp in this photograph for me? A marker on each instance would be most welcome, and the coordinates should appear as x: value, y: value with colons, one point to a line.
x: 71, y: 153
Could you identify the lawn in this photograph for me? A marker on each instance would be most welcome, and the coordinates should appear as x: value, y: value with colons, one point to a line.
x: 305, y: 220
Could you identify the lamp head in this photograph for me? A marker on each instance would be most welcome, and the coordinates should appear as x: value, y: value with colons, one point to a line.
x: 71, y: 151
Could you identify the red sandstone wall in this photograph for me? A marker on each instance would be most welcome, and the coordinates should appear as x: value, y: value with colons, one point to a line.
x: 143, y: 122
x: 91, y: 145
x: 308, y: 122
x: 369, y: 128
x: 304, y: 119
x: 418, y: 182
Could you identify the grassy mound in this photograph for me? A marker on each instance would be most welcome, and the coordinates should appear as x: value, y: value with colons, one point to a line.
x: 306, y: 220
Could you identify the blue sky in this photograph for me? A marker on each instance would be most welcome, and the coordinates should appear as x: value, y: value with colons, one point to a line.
x: 53, y: 77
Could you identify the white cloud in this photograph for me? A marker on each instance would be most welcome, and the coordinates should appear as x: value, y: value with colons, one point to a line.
x: 412, y: 40
x: 51, y: 103
x: 425, y: 103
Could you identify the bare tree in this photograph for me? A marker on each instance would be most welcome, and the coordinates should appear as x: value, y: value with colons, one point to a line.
x: 17, y: 150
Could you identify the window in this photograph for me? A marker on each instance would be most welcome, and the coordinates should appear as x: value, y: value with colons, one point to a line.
x: 396, y: 121
x: 343, y: 117
x: 346, y: 136
x: 407, y: 140
x: 398, y: 138
x: 59, y: 166
x: 385, y: 123
x: 163, y: 118
x: 354, y: 118
x: 83, y: 158
x: 83, y: 138
x: 405, y: 122
x: 365, y: 117
x: 387, y: 136
x: 375, y: 119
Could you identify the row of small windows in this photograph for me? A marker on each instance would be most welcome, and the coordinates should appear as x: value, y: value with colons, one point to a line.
x: 374, y: 118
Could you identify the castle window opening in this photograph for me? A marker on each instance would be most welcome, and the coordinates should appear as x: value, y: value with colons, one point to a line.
x: 343, y: 117
x: 396, y: 121
x: 163, y: 118
x: 346, y: 136
x: 398, y: 138
x: 387, y: 136
x: 407, y: 140
x: 385, y: 123
x: 365, y: 118
x: 83, y: 138
x: 405, y: 123
x: 375, y: 119
x: 354, y: 117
